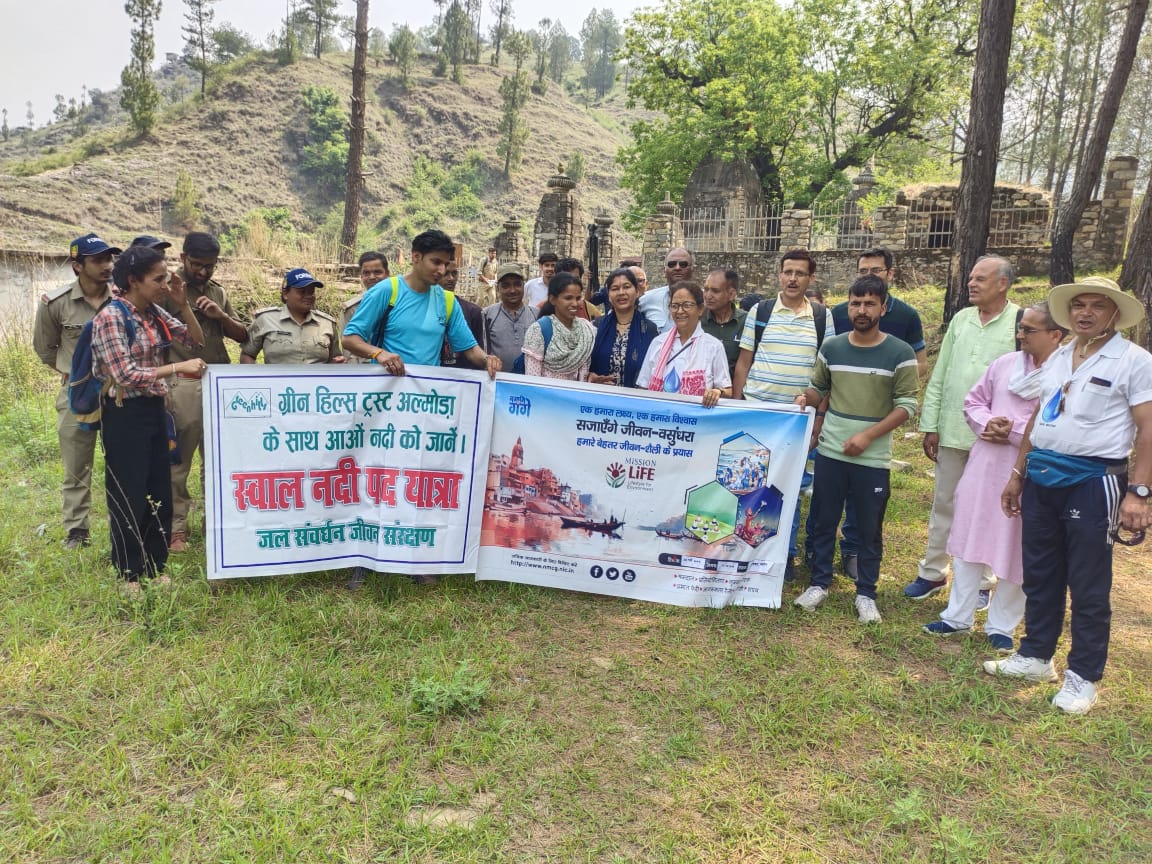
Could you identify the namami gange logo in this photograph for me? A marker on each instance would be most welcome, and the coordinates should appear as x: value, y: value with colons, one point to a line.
x: 615, y: 474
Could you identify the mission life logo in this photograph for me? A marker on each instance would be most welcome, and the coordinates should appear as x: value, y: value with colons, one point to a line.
x: 637, y: 473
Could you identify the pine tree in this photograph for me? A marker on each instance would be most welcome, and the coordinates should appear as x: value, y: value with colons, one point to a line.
x: 321, y: 16
x: 514, y: 91
x: 402, y: 50
x: 198, y: 34
x: 456, y: 31
x: 502, y: 9
x: 139, y: 96
x: 186, y: 202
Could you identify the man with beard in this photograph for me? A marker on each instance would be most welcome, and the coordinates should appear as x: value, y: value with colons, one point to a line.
x: 871, y: 384
x: 508, y: 320
x: 213, y: 310
x: 473, y: 314
x: 60, y: 317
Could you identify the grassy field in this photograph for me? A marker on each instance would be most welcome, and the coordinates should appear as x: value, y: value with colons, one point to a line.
x: 287, y: 720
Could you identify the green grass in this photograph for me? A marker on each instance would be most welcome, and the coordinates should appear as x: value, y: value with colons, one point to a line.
x: 286, y: 720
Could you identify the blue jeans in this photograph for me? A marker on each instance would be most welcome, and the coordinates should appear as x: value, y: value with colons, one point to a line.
x: 868, y: 488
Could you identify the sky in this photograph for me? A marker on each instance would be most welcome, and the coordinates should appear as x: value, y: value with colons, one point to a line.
x: 56, y: 46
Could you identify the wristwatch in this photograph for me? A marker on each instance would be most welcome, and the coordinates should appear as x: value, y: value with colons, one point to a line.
x: 1140, y: 490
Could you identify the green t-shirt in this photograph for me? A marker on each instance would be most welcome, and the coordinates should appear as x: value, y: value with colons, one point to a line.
x: 865, y: 385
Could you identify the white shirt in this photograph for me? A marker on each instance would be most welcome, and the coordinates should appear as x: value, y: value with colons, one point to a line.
x: 1097, y: 417
x: 700, y: 364
x: 654, y: 306
x: 535, y: 292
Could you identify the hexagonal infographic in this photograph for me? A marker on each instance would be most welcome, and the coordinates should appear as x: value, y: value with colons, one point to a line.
x: 742, y: 464
x: 758, y: 515
x: 711, y: 513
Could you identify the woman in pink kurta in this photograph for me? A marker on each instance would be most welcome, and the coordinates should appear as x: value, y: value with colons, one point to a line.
x: 981, y: 533
x: 982, y: 538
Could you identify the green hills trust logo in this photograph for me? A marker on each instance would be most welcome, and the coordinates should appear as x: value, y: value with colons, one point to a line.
x: 615, y: 475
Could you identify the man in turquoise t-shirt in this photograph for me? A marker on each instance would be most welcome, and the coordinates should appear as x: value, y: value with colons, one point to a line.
x: 419, y: 320
x: 871, y: 382
x: 415, y: 329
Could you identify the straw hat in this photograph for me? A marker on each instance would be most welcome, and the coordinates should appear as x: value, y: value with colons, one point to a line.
x: 1131, y: 310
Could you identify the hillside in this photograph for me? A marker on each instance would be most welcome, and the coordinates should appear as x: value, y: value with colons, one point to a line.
x: 241, y: 149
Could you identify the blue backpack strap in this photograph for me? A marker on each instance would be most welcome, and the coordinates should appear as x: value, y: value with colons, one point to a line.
x: 546, y: 332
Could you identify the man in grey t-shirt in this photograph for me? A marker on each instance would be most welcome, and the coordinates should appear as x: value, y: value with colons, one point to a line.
x: 508, y: 320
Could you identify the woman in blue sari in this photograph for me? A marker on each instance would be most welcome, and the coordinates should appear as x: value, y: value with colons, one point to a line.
x: 623, y: 335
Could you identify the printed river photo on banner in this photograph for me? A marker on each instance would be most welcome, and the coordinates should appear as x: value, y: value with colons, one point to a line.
x: 641, y: 495
x: 317, y: 468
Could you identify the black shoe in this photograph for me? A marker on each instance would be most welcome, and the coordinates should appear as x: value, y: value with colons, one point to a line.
x: 356, y: 581
x: 790, y: 570
x: 425, y: 579
x: 76, y: 538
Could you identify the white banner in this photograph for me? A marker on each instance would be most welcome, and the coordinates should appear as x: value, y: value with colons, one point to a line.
x: 322, y: 467
x: 641, y: 495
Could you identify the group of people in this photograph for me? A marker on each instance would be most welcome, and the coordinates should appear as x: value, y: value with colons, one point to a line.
x: 1018, y: 421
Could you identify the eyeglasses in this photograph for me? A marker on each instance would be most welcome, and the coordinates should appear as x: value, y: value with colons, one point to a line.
x: 1135, y: 540
x: 1060, y: 406
x: 676, y: 265
x: 683, y: 307
x: 871, y: 271
x: 1028, y: 331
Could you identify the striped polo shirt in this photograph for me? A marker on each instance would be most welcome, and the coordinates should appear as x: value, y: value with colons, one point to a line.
x: 865, y: 384
x: 783, y: 363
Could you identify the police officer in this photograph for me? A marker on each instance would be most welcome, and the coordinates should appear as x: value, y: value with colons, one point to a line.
x: 296, y: 332
x: 60, y: 317
x: 213, y: 310
x: 373, y: 271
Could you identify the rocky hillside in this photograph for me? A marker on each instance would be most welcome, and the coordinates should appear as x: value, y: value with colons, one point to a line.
x: 242, y: 149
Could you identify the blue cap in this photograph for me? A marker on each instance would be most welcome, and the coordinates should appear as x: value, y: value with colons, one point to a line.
x: 88, y: 245
x: 151, y: 242
x: 300, y: 278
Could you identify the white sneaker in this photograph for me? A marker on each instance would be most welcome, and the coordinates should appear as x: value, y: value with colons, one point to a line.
x: 1023, y: 667
x: 1077, y: 696
x: 811, y: 598
x: 866, y: 610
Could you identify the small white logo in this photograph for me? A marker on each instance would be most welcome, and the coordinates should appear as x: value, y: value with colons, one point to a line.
x: 878, y: 490
x: 1073, y: 514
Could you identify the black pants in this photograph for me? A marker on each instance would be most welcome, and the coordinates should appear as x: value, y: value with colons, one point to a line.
x: 834, y: 482
x: 138, y: 481
x: 1067, y: 549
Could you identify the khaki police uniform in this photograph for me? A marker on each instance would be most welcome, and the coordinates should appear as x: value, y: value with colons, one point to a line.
x: 275, y: 332
x: 184, y: 394
x: 488, y: 289
x: 60, y: 317
x: 346, y: 313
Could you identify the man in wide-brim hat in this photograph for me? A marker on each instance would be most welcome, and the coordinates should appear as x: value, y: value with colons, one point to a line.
x: 1072, y: 488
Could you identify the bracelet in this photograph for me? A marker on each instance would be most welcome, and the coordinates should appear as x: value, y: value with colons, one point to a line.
x: 379, y: 351
x: 1016, y: 471
x: 821, y: 413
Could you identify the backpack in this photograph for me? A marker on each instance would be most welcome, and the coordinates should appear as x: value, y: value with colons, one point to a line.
x: 85, y: 390
x: 546, y: 332
x: 764, y: 310
x: 382, y: 325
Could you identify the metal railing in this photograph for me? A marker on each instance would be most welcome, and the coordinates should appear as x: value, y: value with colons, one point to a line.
x: 840, y: 225
x: 721, y: 229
